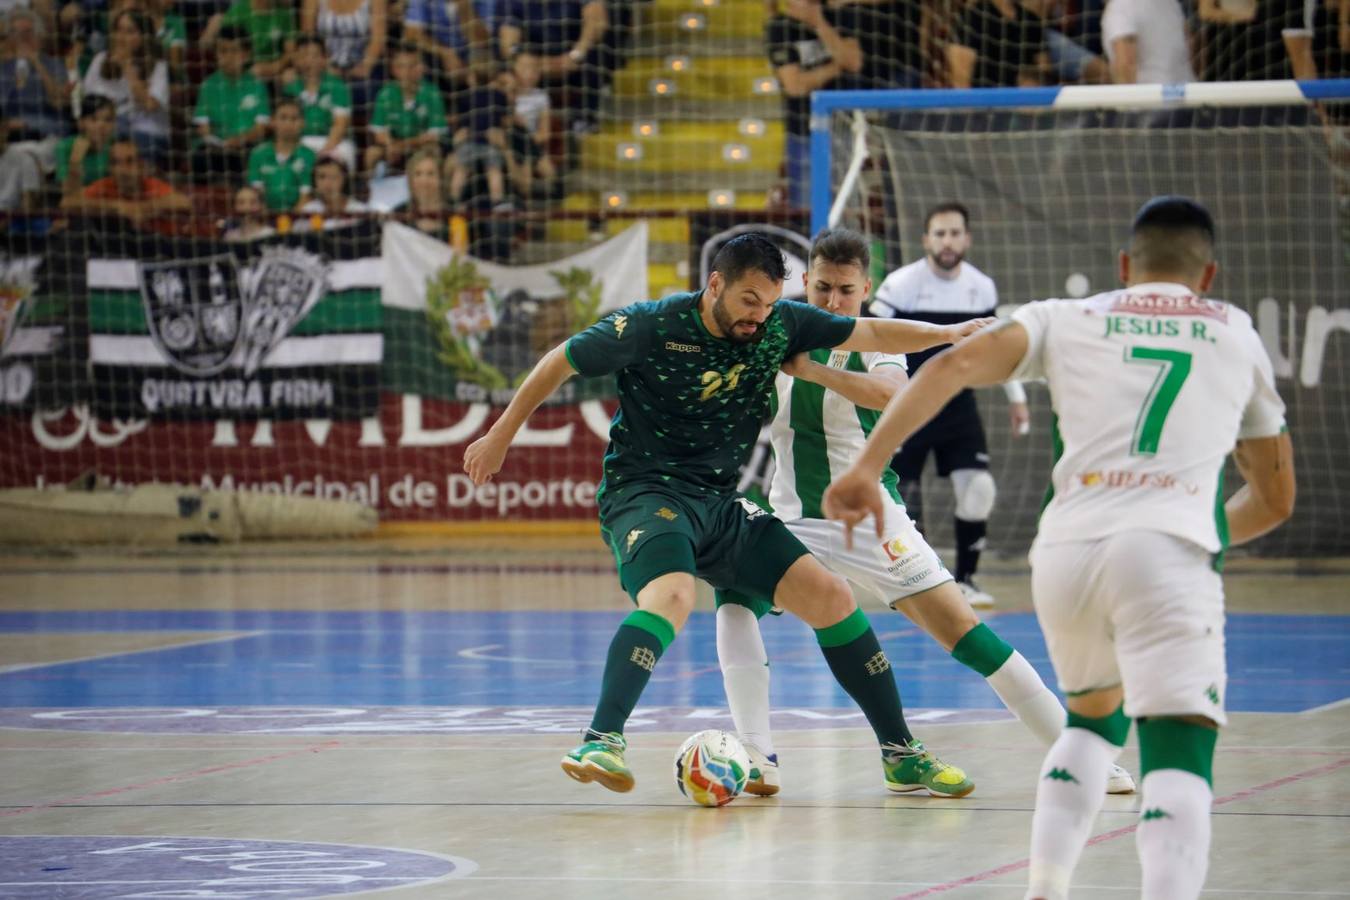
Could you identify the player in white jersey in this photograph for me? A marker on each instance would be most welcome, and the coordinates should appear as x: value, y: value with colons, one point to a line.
x: 1153, y: 386
x: 821, y: 418
x: 943, y: 287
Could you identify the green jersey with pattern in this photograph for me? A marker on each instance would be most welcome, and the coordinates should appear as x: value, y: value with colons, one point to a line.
x: 406, y: 117
x: 281, y: 179
x: 331, y: 98
x: 690, y: 404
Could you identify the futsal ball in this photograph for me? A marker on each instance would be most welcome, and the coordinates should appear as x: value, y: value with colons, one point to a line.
x: 711, y: 767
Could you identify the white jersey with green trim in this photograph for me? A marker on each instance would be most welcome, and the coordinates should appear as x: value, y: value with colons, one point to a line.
x: 817, y: 434
x: 1152, y: 386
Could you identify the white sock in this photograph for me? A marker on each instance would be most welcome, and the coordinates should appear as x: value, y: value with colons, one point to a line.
x: 1173, y: 835
x: 1027, y: 697
x: 745, y: 674
x: 1068, y: 798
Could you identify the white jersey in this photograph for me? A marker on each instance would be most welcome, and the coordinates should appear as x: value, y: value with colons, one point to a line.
x: 914, y: 291
x: 817, y: 434
x: 1152, y: 386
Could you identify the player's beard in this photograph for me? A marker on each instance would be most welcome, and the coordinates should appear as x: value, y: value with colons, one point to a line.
x: 947, y: 260
x: 727, y: 325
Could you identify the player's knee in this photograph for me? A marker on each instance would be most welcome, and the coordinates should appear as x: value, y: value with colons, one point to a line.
x: 975, y: 493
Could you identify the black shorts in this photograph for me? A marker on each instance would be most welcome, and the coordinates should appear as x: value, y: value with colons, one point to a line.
x: 724, y: 539
x: 955, y: 437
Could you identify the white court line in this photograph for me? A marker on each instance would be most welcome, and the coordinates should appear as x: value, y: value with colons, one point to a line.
x: 216, y: 639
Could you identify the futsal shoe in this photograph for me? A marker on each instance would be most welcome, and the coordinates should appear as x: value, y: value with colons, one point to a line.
x: 912, y: 768
x: 977, y: 598
x: 763, y: 780
x: 600, y: 759
x: 1119, y: 781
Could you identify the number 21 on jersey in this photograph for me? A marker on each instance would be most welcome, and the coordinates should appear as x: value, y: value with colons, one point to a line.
x: 715, y: 382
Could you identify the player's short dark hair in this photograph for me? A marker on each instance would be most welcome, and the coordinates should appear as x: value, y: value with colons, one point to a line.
x: 750, y: 252
x: 233, y: 34
x: 1172, y: 235
x: 94, y: 103
x: 949, y: 206
x: 309, y: 39
x: 288, y: 101
x: 841, y: 247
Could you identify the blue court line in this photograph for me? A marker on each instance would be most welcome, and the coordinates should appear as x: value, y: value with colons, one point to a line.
x: 532, y: 658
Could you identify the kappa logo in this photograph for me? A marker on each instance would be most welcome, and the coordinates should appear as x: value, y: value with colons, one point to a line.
x: 18, y: 281
x: 1212, y: 694
x: 667, y: 513
x: 751, y: 510
x: 207, y: 314
x: 1058, y: 774
x: 632, y: 538
x: 643, y: 657
x: 683, y: 348
x: 1152, y: 815
x: 878, y: 663
x: 620, y: 323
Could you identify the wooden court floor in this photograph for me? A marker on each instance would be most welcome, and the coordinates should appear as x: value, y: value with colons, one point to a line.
x: 326, y: 720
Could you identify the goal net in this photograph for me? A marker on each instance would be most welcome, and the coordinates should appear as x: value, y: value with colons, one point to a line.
x: 1052, y: 177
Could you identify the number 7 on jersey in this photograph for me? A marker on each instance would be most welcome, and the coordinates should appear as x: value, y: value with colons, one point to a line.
x: 1173, y: 368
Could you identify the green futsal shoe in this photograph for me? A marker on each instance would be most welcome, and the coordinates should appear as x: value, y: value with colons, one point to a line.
x: 600, y: 759
x: 912, y: 768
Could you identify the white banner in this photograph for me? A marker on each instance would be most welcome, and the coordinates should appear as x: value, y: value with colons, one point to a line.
x: 619, y: 265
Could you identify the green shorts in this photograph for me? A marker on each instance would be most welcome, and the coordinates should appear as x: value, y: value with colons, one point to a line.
x: 724, y: 539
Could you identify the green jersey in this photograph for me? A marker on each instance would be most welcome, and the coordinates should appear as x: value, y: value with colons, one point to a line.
x: 282, y: 180
x: 333, y: 98
x: 268, y: 30
x: 690, y: 404
x: 231, y: 106
x: 94, y: 166
x: 406, y: 117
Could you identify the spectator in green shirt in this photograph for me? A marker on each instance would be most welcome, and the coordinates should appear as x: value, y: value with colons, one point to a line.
x: 325, y: 101
x: 270, y: 25
x: 281, y: 167
x: 83, y: 158
x: 232, y: 110
x: 408, y: 115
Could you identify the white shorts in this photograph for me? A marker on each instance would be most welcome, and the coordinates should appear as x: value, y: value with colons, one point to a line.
x: 889, y: 570
x: 1139, y: 609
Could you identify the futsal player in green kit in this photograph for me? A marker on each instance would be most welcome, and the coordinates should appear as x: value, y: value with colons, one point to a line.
x: 695, y: 373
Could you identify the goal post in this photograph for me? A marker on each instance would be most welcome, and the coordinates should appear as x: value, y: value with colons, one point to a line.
x: 1052, y: 177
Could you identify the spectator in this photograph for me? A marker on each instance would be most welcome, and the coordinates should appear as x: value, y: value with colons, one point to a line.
x: 531, y: 129
x: 132, y: 73
x: 1243, y: 40
x: 567, y: 35
x: 270, y: 26
x: 444, y: 30
x: 34, y: 94
x: 170, y: 29
x: 1073, y: 39
x: 890, y: 36
x: 332, y: 201
x: 999, y: 43
x: 1319, y: 46
x: 1147, y: 42
x: 425, y: 209
x: 130, y: 194
x: 282, y: 167
x: 232, y: 110
x: 325, y: 101
x: 251, y: 220
x: 408, y: 115
x: 353, y: 33
x: 20, y: 177
x: 480, y: 139
x: 807, y: 54
x: 82, y: 159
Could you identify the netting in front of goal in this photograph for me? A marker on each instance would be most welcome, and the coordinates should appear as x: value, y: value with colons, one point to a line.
x: 1051, y: 192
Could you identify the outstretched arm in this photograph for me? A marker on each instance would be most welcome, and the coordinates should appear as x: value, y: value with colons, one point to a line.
x: 484, y: 457
x: 987, y: 358
x: 870, y: 390
x: 906, y: 335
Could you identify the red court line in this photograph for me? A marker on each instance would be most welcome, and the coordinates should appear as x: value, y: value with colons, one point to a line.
x: 170, y: 779
x: 1120, y: 832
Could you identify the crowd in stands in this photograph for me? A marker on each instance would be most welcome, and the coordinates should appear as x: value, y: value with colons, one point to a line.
x: 429, y: 107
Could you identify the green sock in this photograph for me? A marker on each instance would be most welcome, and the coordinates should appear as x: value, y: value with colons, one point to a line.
x: 633, y: 653
x: 862, y: 669
x: 982, y: 650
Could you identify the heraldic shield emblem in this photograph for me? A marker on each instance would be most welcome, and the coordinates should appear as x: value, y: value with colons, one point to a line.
x: 206, y: 314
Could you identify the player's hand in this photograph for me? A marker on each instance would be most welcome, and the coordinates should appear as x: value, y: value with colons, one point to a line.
x: 796, y: 365
x: 1019, y: 419
x: 970, y: 326
x: 485, y: 456
x: 850, y: 499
